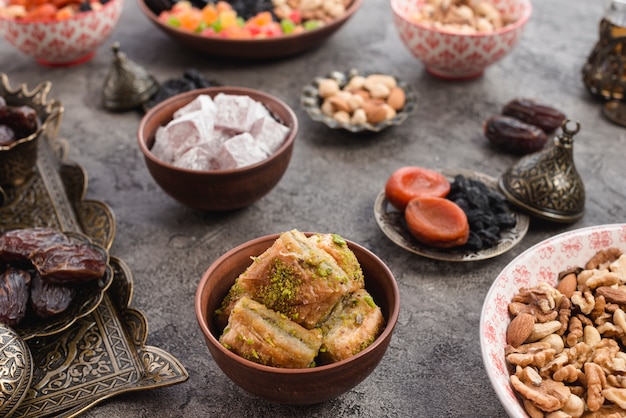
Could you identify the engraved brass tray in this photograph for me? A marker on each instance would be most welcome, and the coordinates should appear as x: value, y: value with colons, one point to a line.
x: 103, y: 353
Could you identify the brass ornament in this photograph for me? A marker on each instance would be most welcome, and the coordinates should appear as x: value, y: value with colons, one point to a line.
x: 16, y: 370
x: 17, y: 160
x: 103, y: 353
x: 127, y: 85
x: 546, y: 183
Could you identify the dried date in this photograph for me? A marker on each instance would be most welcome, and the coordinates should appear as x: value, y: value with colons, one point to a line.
x: 69, y: 263
x: 17, y: 245
x: 22, y: 120
x: 513, y: 135
x: 14, y: 291
x: 49, y: 299
x: 541, y: 115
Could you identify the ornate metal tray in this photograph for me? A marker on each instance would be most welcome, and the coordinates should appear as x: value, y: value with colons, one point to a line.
x: 103, y: 353
x: 392, y: 223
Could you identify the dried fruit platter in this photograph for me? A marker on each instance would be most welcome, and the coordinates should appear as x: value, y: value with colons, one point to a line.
x: 113, y: 335
x: 392, y: 223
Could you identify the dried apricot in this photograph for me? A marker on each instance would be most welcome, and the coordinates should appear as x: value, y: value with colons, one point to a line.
x: 409, y: 182
x: 437, y: 222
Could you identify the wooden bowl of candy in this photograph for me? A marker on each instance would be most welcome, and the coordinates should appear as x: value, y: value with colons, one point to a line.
x: 55, y: 36
x: 25, y: 116
x: 296, y: 362
x: 49, y: 279
x: 556, y: 310
x: 268, y: 32
x: 481, y: 33
x: 218, y: 148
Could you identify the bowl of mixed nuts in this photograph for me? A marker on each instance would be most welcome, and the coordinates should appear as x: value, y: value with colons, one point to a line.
x: 368, y: 102
x: 458, y: 39
x: 552, y: 326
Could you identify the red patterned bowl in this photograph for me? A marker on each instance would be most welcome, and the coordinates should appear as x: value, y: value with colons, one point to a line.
x: 63, y: 42
x: 540, y: 263
x: 454, y: 55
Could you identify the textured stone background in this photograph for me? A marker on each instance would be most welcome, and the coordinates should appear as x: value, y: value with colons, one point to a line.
x: 433, y: 367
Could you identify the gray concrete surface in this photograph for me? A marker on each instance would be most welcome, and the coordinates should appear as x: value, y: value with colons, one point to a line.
x: 433, y: 367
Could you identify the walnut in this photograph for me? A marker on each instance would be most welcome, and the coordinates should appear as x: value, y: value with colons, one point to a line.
x: 619, y: 267
x: 596, y: 381
x: 574, y: 406
x: 569, y: 374
x: 602, y: 278
x: 565, y: 312
x: 584, y: 301
x: 549, y: 396
x: 575, y: 334
x: 603, y: 258
x: 616, y: 395
x: 537, y: 354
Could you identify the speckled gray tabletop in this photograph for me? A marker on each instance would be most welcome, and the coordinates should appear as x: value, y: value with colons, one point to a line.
x: 433, y: 367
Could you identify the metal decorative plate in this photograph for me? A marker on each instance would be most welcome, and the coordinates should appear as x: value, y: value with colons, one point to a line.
x: 109, y: 342
x: 392, y: 223
x: 311, y: 102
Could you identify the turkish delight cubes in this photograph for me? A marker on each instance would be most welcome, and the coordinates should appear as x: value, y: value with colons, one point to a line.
x: 221, y: 133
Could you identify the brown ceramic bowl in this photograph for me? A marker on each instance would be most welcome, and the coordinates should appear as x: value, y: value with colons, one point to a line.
x: 18, y: 159
x: 268, y: 48
x: 293, y: 386
x: 217, y: 190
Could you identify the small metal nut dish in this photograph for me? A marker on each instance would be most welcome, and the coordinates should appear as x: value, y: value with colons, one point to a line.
x: 18, y: 158
x: 368, y: 102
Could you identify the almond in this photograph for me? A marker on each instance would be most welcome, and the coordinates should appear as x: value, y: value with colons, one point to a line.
x: 396, y: 98
x: 520, y: 329
x: 567, y: 285
x: 375, y: 112
x: 339, y: 104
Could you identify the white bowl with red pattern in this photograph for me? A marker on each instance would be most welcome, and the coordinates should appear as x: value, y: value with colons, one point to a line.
x: 63, y: 42
x: 452, y: 55
x: 540, y: 263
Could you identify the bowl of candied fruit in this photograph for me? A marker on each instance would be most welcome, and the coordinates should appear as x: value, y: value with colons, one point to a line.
x: 59, y: 33
x: 458, y: 39
x: 552, y: 326
x: 218, y: 148
x: 296, y: 332
x: 255, y: 30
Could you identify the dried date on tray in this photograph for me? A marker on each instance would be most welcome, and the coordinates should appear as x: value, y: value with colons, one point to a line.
x: 49, y: 299
x: 16, y: 245
x: 13, y: 295
x: 69, y: 263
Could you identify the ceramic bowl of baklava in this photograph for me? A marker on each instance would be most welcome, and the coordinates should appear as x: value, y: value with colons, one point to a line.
x: 218, y: 148
x: 297, y: 318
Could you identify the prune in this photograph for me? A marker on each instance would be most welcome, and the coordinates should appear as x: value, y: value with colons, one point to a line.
x: 16, y: 245
x: 486, y: 210
x: 513, y: 135
x: 49, y: 299
x: 526, y: 110
x: 191, y: 80
x: 14, y: 284
x: 68, y: 263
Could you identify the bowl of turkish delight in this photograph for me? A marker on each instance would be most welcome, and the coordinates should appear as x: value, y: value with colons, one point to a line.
x: 297, y: 318
x: 218, y: 148
x: 59, y: 33
x: 25, y: 116
x: 265, y: 29
x: 552, y: 327
x: 459, y: 39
